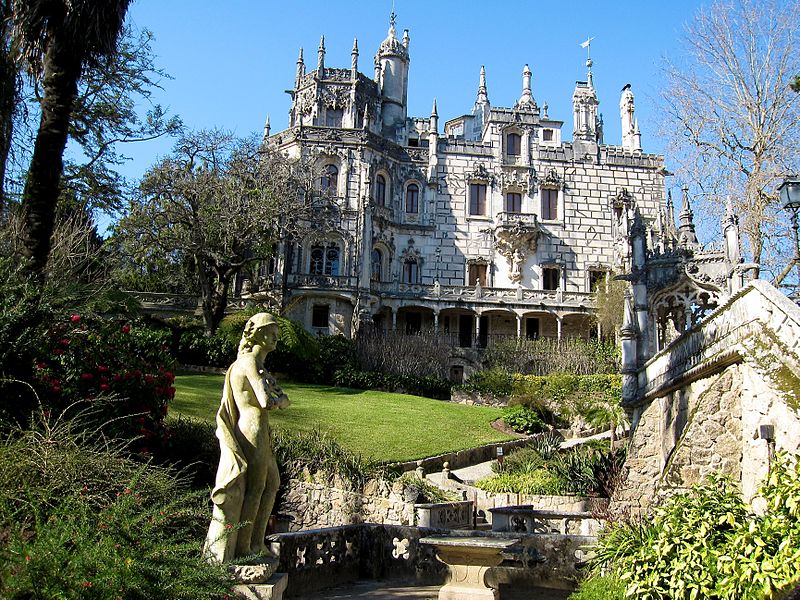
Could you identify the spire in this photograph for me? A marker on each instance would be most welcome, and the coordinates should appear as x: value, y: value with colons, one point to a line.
x: 434, y: 125
x: 527, y: 98
x: 686, y: 234
x: 483, y: 96
x: 354, y: 57
x: 321, y: 58
x: 301, y: 70
x: 266, y: 128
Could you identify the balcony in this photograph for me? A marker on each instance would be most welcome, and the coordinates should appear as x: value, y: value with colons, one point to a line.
x: 337, y: 282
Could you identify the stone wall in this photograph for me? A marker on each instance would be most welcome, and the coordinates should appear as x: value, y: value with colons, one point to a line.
x: 722, y: 398
x: 313, y: 505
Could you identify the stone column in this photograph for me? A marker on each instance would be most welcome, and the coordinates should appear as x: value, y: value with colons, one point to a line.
x: 558, y: 325
x: 436, y: 321
x: 394, y: 318
x: 519, y: 326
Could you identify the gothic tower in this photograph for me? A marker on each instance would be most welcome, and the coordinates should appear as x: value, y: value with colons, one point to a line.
x: 391, y: 65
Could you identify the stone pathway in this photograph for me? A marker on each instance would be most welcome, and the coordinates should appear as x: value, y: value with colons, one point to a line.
x: 389, y: 590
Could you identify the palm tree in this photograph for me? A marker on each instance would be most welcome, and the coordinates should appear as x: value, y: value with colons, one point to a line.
x: 607, y: 414
x: 56, y: 40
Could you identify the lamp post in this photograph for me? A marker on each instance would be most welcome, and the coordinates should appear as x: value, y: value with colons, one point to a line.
x: 789, y: 191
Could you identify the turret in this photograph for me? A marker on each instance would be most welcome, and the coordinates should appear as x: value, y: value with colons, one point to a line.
x: 392, y: 61
x: 631, y: 137
x: 433, y: 143
x: 585, y: 134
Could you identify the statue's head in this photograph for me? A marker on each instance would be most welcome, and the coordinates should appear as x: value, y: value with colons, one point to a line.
x: 256, y: 327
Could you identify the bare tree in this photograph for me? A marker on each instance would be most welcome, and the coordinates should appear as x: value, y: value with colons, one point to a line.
x: 732, y: 119
x: 217, y: 203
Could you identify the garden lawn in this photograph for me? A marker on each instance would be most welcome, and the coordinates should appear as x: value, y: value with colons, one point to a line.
x: 381, y: 426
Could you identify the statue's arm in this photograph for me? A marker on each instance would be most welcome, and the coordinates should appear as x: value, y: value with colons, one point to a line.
x: 256, y: 383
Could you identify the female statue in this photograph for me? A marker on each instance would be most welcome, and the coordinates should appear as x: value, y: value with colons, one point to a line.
x: 247, y: 477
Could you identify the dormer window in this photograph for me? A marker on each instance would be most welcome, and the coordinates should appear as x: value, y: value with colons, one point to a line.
x: 513, y: 144
x: 547, y: 135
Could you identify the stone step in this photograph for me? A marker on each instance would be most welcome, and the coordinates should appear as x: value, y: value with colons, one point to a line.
x: 271, y: 590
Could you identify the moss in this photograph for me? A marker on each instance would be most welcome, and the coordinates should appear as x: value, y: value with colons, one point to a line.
x: 776, y: 371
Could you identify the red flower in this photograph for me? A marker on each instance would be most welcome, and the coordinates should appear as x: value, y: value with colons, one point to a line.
x: 87, y: 376
x: 126, y: 328
x: 56, y: 389
x: 169, y: 376
x: 170, y: 392
x: 87, y: 584
x: 104, y: 387
x: 75, y: 318
x: 41, y: 365
x: 27, y: 559
x: 102, y: 368
x: 58, y: 351
x: 149, y: 379
x: 64, y: 341
x: 103, y: 379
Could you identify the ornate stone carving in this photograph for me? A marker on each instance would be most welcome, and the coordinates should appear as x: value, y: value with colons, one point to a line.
x: 551, y: 179
x: 515, y: 241
x: 480, y: 173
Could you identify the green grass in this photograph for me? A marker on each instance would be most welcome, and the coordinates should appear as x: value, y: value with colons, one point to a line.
x: 381, y: 426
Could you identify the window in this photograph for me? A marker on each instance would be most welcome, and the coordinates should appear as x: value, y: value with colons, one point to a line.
x: 377, y: 265
x: 477, y: 198
x: 513, y: 144
x: 410, y: 272
x: 549, y: 204
x: 324, y: 259
x: 330, y: 179
x: 551, y: 278
x: 333, y: 118
x: 477, y: 275
x: 513, y: 202
x: 413, y: 323
x: 412, y: 198
x: 547, y: 135
x: 320, y: 315
x: 380, y: 190
x: 597, y: 278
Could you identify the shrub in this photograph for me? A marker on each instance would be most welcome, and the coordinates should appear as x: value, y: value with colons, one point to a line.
x: 496, y: 381
x: 121, y: 369
x: 707, y: 543
x: 424, y: 354
x: 430, y: 386
x: 536, y: 482
x: 520, y: 460
x: 523, y: 420
x: 423, y: 491
x: 82, y: 521
x: 191, y: 447
x: 547, y: 444
x: 335, y: 352
x: 195, y: 348
x: 544, y: 356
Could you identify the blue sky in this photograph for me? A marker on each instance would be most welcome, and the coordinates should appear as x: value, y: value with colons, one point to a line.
x: 231, y: 61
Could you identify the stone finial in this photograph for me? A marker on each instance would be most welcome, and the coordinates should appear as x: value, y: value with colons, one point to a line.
x: 301, y: 70
x: 266, y: 128
x: 628, y: 120
x: 321, y: 58
x: 526, y: 100
x: 406, y: 39
x: 545, y: 108
x: 686, y: 233
x: 483, y: 95
x: 434, y: 124
x: 354, y: 56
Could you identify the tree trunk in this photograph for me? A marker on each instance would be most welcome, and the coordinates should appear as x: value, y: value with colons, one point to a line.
x: 62, y: 70
x: 214, y: 285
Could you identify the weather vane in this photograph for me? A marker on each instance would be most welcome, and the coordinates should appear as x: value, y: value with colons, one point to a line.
x: 588, y: 45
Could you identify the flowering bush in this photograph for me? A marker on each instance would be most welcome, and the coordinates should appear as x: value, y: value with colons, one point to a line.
x: 121, y: 370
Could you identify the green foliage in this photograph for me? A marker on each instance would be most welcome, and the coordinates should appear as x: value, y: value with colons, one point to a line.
x: 497, y: 381
x: 566, y: 394
x: 544, y: 356
x: 610, y: 301
x: 707, y: 544
x: 520, y: 460
x: 429, y: 386
x: 602, y: 587
x: 523, y: 420
x: 86, y: 360
x: 547, y: 444
x: 335, y: 352
x: 82, y: 521
x: 304, y: 454
x: 536, y: 482
x: 196, y: 348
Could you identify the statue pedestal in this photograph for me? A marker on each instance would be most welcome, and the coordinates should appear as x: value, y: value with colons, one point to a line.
x: 469, y: 559
x: 271, y: 590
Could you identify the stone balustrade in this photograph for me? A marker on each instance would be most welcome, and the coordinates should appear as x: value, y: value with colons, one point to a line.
x: 528, y: 519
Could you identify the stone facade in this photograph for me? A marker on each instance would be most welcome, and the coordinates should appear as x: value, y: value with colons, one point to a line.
x: 722, y: 398
x: 495, y: 227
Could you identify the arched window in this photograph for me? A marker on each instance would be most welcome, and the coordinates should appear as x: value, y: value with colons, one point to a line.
x: 380, y: 190
x: 330, y: 179
x: 325, y: 259
x: 513, y: 144
x: 412, y: 198
x: 410, y: 271
x: 377, y: 265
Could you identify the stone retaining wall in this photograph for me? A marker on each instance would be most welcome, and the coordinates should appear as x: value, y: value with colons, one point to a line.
x: 314, y: 505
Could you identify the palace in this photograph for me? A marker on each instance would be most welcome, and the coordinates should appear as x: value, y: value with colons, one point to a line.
x: 493, y: 225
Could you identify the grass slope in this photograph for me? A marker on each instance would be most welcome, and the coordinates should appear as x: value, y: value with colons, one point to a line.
x: 379, y: 425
